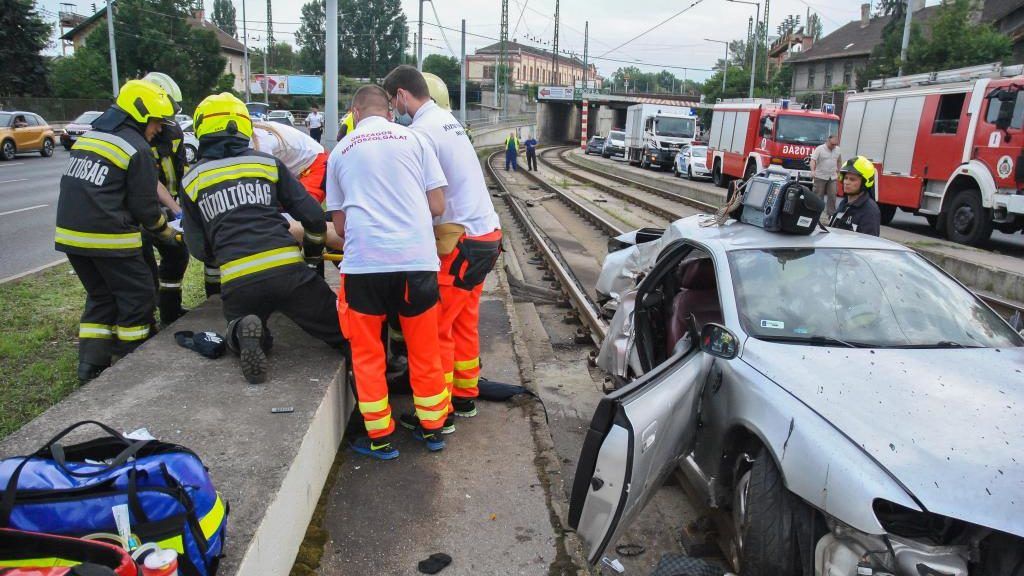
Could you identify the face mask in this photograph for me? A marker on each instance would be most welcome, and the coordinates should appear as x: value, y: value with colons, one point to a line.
x: 403, y: 118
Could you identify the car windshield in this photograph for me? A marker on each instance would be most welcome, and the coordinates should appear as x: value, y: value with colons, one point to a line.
x: 700, y: 152
x: 87, y: 117
x: 257, y: 108
x: 675, y: 127
x: 278, y: 113
x: 858, y: 297
x: 805, y: 130
x: 617, y: 136
x: 597, y: 140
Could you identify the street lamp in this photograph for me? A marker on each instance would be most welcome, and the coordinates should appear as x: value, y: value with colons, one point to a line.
x: 753, y: 58
x: 725, y: 74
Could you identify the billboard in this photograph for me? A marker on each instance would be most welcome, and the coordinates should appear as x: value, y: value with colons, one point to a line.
x: 555, y: 93
x: 276, y: 84
x: 306, y: 85
x: 283, y: 85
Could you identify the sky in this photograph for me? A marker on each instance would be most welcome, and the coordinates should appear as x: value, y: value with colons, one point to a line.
x: 679, y: 43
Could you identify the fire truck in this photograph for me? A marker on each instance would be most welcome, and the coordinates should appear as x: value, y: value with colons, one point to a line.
x: 947, y: 145
x: 748, y: 135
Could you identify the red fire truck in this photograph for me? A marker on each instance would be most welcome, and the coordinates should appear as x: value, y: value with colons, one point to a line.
x: 947, y: 145
x: 749, y: 135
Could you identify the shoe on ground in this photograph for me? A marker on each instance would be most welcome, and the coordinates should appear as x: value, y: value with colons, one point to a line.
x: 412, y: 422
x: 249, y: 334
x: 464, y: 407
x: 379, y: 448
x: 88, y: 372
x: 435, y: 443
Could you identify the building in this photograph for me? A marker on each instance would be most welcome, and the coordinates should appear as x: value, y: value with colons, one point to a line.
x: 786, y: 46
x: 1006, y: 16
x: 529, y: 65
x: 232, y: 50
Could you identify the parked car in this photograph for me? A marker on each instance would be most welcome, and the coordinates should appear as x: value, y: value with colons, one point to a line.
x: 191, y: 144
x: 22, y: 132
x: 844, y: 404
x: 692, y: 162
x: 77, y: 127
x: 595, y: 145
x: 185, y: 122
x: 281, y: 117
x: 615, y: 145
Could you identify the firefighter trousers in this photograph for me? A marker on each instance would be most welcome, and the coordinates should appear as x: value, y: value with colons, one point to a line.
x: 461, y: 281
x: 167, y: 275
x: 295, y: 291
x: 364, y: 303
x: 119, y: 301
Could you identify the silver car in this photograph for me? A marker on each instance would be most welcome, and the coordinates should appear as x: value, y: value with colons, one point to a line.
x: 844, y: 405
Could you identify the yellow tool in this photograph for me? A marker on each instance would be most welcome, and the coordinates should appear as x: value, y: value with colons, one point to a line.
x: 334, y: 256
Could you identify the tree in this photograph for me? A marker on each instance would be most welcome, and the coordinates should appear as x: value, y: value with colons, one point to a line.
x: 224, y: 16
x: 311, y: 37
x: 372, y: 37
x: 23, y: 36
x: 283, y: 58
x: 447, y: 68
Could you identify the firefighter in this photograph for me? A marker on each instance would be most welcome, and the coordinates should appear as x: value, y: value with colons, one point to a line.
x: 512, y: 152
x: 345, y: 126
x: 232, y: 217
x: 467, y: 234
x: 106, y: 192
x: 384, y: 184
x: 858, y: 210
x: 169, y: 154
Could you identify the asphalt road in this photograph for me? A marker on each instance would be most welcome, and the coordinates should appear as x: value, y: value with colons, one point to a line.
x: 29, y: 187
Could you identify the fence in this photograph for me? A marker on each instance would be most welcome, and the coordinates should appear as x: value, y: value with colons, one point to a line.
x: 54, y: 110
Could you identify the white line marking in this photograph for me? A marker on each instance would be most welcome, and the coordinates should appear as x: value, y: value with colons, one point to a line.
x: 33, y: 271
x: 23, y: 209
x: 10, y: 181
x: 5, y: 164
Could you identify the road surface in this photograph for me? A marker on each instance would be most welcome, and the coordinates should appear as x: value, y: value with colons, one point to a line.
x: 29, y: 187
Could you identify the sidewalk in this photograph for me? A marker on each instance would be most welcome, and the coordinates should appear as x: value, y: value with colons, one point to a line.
x: 481, y: 500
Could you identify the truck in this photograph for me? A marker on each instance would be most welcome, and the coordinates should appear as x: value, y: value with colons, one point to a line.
x: 655, y: 133
x: 749, y: 135
x: 947, y: 145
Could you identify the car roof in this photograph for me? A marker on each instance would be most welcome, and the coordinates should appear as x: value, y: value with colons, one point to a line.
x: 734, y: 235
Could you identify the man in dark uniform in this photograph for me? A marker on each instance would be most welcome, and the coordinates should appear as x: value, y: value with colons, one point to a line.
x: 107, y: 190
x: 858, y: 210
x: 232, y: 207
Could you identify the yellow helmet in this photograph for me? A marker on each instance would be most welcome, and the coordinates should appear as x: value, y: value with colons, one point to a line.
x: 347, y: 125
x: 438, y: 90
x: 863, y: 168
x: 222, y: 115
x: 144, y: 101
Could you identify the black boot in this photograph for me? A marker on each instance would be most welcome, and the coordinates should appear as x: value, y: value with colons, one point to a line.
x: 88, y: 372
x: 246, y: 338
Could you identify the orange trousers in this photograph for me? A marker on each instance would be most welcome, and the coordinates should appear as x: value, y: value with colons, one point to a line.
x: 364, y: 302
x: 312, y: 179
x: 461, y: 281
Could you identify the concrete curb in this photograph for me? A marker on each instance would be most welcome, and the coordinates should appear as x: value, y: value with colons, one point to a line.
x: 33, y: 271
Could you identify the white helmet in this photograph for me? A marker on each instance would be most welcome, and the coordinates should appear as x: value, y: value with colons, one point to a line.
x: 167, y: 83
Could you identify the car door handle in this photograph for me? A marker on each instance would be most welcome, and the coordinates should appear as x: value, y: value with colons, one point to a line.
x: 596, y: 483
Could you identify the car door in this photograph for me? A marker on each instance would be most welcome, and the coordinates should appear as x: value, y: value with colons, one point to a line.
x: 24, y: 135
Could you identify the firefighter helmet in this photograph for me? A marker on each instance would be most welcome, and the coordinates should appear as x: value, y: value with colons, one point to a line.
x: 167, y: 83
x: 347, y: 125
x: 438, y: 90
x: 863, y: 168
x: 145, y: 101
x: 222, y: 115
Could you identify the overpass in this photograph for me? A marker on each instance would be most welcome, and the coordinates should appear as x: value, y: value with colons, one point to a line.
x: 565, y: 115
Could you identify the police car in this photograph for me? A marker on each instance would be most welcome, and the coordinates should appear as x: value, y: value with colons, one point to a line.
x: 837, y: 399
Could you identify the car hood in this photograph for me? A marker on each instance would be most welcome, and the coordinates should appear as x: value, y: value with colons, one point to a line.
x: 947, y: 424
x: 82, y: 127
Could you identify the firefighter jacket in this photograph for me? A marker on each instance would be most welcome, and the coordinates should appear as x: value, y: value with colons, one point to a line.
x: 169, y: 154
x: 107, y: 190
x: 232, y: 216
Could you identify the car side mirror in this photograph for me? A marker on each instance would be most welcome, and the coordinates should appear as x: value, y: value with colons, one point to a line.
x: 718, y: 341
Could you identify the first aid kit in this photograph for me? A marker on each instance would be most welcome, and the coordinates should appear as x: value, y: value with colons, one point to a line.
x: 128, y: 489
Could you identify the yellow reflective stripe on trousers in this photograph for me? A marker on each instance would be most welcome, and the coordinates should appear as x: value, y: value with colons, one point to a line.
x: 466, y: 382
x: 378, y: 424
x: 376, y: 406
x: 111, y: 152
x: 213, y: 176
x: 429, y: 401
x: 260, y: 262
x: 98, y: 240
x: 209, y: 523
x: 132, y: 333
x: 39, y: 563
x: 467, y: 364
x: 430, y: 415
x: 87, y: 330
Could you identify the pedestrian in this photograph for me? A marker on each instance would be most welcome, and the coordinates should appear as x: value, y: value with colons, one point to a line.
x: 467, y: 234
x: 858, y: 210
x: 315, y: 121
x: 106, y: 191
x: 233, y: 203
x: 825, y: 162
x: 512, y: 152
x: 384, y: 184
x: 531, y: 154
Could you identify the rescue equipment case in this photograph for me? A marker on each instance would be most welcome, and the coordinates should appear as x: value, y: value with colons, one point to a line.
x: 779, y: 204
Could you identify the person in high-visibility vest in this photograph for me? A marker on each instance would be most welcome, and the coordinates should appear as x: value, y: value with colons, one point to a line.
x: 858, y: 210
x: 108, y: 189
x: 512, y: 152
x: 232, y: 207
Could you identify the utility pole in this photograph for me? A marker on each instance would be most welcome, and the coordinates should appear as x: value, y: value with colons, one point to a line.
x: 554, y: 50
x: 502, y: 68
x: 113, y: 49
x: 245, y: 54
x: 906, y: 37
x: 462, y: 77
x: 266, y: 78
x: 586, y: 53
x: 755, y: 42
x: 331, y: 73
x: 767, y: 48
x: 419, y: 40
x: 270, y: 33
x: 725, y: 72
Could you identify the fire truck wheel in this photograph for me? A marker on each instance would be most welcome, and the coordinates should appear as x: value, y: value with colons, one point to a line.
x: 888, y: 213
x: 720, y: 180
x: 968, y: 222
x: 750, y: 171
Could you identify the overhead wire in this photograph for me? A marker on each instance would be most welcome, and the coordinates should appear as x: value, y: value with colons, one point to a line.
x: 655, y: 27
x: 443, y: 35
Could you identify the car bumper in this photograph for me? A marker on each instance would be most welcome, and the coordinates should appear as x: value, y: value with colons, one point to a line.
x: 614, y: 151
x: 662, y: 156
x: 701, y: 171
x: 68, y: 139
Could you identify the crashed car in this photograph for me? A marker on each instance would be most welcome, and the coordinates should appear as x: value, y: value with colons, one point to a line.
x: 844, y: 406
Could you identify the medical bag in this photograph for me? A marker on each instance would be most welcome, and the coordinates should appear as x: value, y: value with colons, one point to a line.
x: 33, y: 554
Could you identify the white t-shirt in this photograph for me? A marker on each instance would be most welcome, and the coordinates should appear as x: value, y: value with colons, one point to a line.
x: 466, y: 201
x: 379, y: 175
x: 315, y: 119
x: 290, y: 145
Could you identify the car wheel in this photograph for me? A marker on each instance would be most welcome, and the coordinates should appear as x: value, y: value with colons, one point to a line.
x: 47, y: 150
x: 675, y: 170
x: 190, y: 154
x: 603, y: 155
x: 7, y: 151
x: 888, y: 212
x: 968, y: 222
x: 68, y: 147
x: 764, y: 517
